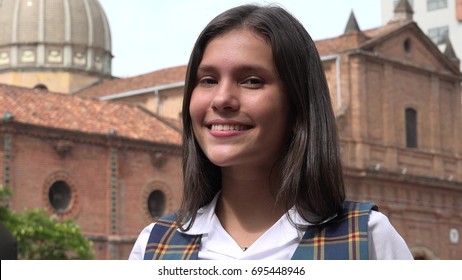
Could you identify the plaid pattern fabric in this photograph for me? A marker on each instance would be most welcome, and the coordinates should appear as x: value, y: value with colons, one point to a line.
x: 167, y: 243
x: 343, y: 238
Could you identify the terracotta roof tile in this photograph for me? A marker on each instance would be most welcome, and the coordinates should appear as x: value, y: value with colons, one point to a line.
x: 119, y: 85
x: 60, y: 111
x: 354, y: 39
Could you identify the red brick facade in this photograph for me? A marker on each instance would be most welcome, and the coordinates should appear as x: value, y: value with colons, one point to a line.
x: 110, y: 173
x: 374, y: 77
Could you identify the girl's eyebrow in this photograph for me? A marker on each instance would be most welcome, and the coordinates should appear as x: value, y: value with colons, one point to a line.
x: 204, y: 68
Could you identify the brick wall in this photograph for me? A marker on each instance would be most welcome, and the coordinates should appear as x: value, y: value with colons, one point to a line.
x: 423, y: 212
x: 419, y: 189
x: 87, y: 168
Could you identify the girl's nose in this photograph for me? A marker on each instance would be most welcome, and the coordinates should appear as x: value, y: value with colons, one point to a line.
x: 226, y: 98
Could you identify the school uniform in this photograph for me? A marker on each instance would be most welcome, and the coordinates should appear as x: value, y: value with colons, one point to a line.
x: 360, y: 232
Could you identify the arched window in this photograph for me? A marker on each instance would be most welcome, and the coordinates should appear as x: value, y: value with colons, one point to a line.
x: 156, y: 204
x: 60, y: 195
x: 41, y: 87
x: 411, y: 128
x: 407, y: 45
x: 423, y: 253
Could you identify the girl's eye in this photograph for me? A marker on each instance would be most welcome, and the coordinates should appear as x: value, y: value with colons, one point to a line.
x: 207, y: 82
x: 253, y: 83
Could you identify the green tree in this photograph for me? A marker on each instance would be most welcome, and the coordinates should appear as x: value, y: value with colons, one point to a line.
x: 44, y: 237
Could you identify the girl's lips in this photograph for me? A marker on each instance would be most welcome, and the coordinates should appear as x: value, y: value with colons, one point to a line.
x: 227, y: 129
x: 227, y: 125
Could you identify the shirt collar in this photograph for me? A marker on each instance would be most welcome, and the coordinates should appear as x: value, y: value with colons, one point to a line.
x: 206, y: 218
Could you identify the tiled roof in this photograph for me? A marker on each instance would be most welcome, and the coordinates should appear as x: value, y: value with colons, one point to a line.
x: 335, y: 45
x: 156, y: 78
x: 355, y: 39
x: 60, y: 111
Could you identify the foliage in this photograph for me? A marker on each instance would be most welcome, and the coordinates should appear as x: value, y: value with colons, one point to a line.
x: 44, y: 237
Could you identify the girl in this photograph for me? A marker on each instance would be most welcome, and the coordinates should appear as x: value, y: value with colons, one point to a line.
x: 261, y: 162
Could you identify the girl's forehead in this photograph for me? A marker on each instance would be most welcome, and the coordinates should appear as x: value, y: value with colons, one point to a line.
x: 241, y: 48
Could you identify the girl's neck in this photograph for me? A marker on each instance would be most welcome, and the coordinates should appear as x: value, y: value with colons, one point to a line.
x: 248, y: 189
x: 247, y: 207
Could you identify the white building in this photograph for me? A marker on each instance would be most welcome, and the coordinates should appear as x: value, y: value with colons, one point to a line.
x: 439, y: 19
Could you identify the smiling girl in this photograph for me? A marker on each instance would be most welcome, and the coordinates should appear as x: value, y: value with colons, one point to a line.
x: 261, y: 163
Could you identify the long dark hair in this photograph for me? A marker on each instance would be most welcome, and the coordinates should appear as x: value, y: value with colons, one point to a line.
x: 311, y: 172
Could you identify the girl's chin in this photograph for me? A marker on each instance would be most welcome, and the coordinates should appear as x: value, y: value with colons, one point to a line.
x: 221, y: 160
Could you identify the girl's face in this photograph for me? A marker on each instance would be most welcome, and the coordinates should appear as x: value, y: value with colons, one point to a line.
x: 238, y: 107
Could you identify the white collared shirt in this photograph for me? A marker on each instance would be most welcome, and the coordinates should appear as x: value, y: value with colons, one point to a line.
x: 277, y: 243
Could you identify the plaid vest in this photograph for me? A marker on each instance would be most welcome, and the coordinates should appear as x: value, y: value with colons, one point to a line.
x: 342, y: 238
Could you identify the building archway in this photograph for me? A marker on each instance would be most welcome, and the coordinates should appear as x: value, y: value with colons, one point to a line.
x: 423, y: 253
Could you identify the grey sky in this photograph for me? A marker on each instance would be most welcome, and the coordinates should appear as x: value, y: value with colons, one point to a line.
x: 149, y: 35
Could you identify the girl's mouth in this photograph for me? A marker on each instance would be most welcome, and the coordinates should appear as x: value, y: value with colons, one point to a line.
x: 228, y: 127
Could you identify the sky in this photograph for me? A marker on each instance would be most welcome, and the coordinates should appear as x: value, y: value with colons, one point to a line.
x: 149, y: 35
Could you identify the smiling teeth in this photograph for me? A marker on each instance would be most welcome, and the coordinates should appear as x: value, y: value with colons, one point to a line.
x: 228, y: 127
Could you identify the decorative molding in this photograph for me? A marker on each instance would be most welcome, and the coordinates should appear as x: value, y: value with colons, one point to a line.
x: 423, y: 253
x: 74, y: 205
x: 156, y: 185
x: 4, y: 58
x: 79, y: 137
x: 113, y: 187
x: 7, y: 154
x: 63, y: 147
x: 158, y: 159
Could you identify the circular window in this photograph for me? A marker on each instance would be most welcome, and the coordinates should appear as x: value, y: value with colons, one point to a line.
x: 454, y: 236
x: 60, y: 195
x: 156, y: 204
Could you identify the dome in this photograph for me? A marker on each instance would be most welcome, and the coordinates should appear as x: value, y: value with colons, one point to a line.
x: 61, y: 35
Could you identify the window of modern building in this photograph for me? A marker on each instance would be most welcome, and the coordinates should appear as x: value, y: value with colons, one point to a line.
x: 156, y: 204
x: 411, y: 128
x: 438, y: 34
x: 60, y: 195
x: 436, y: 4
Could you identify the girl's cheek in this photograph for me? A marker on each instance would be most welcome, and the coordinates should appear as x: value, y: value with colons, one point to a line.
x: 199, y: 103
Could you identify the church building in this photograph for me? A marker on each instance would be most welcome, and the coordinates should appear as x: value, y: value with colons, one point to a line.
x: 63, y: 45
x: 398, y: 106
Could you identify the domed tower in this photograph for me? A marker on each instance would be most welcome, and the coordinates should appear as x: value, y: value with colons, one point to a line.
x: 64, y: 45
